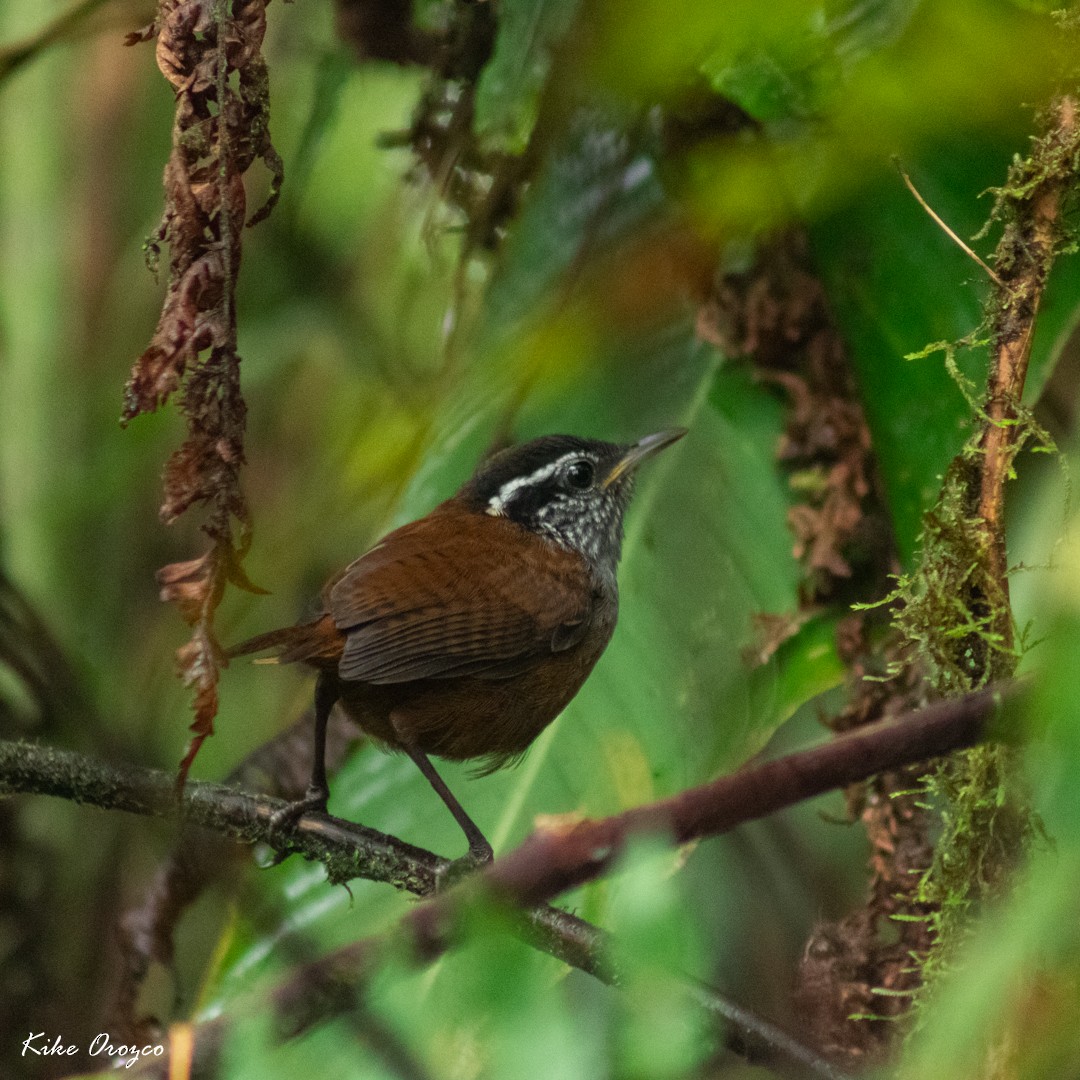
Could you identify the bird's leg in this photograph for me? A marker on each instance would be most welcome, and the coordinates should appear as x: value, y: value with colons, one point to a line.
x: 318, y: 790
x: 480, y: 851
x: 326, y: 697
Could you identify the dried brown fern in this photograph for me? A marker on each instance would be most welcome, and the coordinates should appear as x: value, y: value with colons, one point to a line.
x: 210, y: 52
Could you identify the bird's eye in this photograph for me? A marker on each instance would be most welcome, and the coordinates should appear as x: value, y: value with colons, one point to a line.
x: 580, y: 474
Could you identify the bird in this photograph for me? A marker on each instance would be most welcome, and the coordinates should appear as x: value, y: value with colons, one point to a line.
x: 463, y: 634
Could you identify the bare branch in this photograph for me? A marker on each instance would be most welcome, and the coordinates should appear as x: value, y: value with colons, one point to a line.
x: 552, y: 859
x: 329, y: 985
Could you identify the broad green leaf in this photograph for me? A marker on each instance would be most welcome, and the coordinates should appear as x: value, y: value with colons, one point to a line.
x: 671, y: 702
x: 836, y: 110
x: 596, y: 187
x: 1059, y: 316
x: 657, y: 943
x: 501, y: 1005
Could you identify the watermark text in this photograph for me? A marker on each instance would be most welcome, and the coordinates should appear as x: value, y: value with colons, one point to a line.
x: 39, y: 1043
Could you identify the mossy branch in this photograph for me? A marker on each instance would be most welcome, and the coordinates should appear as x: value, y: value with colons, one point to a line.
x: 1031, y: 205
x: 955, y: 608
x: 330, y: 985
x: 554, y: 858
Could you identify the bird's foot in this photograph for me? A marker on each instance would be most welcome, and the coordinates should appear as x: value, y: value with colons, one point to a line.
x: 476, y: 858
x: 313, y: 801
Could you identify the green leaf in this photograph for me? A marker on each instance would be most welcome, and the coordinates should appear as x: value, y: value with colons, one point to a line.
x: 839, y: 101
x: 504, y: 1005
x: 898, y: 283
x: 657, y: 943
x: 707, y: 547
x: 1059, y: 316
x: 596, y: 187
x: 508, y: 92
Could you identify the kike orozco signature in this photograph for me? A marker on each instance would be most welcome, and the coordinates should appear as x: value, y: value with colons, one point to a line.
x: 38, y: 1043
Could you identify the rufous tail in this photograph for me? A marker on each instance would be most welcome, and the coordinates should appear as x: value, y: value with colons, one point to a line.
x: 318, y: 642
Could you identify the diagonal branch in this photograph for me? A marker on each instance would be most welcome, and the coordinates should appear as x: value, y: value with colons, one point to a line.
x: 552, y: 859
x: 348, y: 850
x: 328, y: 986
x: 333, y: 984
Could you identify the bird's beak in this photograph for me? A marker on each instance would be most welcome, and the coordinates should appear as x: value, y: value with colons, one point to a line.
x: 637, y: 452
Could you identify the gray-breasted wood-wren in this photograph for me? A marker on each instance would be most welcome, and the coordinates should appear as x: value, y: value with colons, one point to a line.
x: 465, y: 633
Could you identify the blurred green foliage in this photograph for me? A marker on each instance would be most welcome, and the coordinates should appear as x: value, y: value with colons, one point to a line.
x: 379, y: 367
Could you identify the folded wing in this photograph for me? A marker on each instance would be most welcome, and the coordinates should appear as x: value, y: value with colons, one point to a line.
x: 430, y: 602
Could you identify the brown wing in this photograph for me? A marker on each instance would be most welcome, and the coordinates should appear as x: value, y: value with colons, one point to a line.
x: 431, y: 601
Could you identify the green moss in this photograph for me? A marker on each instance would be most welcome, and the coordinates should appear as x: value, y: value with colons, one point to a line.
x: 987, y: 826
x: 956, y: 617
x: 957, y: 620
x: 954, y: 610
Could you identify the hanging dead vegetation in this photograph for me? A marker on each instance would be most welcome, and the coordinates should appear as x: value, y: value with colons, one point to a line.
x: 210, y: 51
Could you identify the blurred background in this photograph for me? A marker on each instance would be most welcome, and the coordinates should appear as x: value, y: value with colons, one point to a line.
x: 600, y: 218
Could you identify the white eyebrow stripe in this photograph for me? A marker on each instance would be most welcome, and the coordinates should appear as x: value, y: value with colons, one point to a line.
x: 497, y: 503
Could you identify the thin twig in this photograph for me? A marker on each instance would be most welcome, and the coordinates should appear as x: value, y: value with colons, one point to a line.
x: 939, y: 221
x: 302, y: 999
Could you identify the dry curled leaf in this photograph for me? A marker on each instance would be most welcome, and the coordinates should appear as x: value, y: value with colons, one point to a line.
x: 770, y: 631
x: 137, y: 37
x: 196, y: 586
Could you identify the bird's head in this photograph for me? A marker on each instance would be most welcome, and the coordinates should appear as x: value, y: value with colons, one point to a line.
x: 571, y: 491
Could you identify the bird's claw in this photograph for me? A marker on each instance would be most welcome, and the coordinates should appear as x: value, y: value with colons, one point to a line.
x: 476, y: 858
x: 313, y: 802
